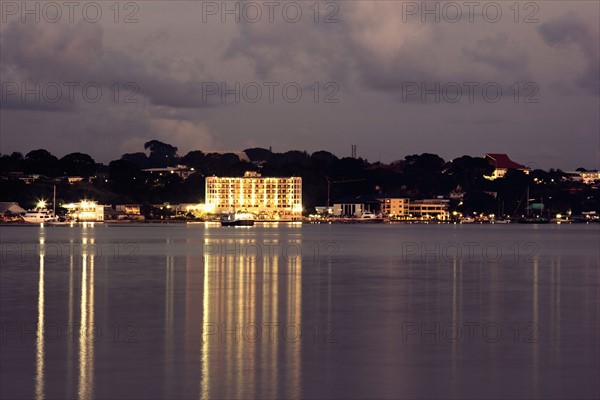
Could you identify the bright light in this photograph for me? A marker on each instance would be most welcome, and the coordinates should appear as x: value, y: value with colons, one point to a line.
x: 559, y: 216
x: 41, y: 204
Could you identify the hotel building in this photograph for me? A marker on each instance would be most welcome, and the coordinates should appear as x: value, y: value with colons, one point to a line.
x: 265, y: 197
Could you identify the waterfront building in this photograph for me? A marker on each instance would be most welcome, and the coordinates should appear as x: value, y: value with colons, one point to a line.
x: 274, y: 198
x: 394, y: 207
x: 11, y: 208
x: 429, y: 209
x: 85, y: 211
x: 348, y: 209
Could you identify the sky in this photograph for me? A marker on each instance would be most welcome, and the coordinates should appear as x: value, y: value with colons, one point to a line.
x: 393, y: 78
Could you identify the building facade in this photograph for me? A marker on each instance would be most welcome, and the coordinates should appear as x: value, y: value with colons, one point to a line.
x: 354, y: 210
x: 429, y: 209
x: 394, y: 207
x: 265, y: 197
x: 501, y: 164
x: 85, y: 211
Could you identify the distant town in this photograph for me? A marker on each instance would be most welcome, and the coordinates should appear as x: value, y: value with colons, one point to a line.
x: 157, y: 184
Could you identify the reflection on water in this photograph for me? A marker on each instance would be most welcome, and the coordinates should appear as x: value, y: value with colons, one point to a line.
x: 203, y: 312
x: 252, y: 310
x: 39, y: 362
x: 86, y: 323
x: 53, y: 332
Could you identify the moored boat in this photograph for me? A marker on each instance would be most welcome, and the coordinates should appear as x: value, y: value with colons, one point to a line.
x: 237, y: 219
x: 38, y: 216
x: 369, y: 217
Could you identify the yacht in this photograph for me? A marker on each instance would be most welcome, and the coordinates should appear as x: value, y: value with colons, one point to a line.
x: 368, y: 216
x: 237, y: 219
x: 39, y: 215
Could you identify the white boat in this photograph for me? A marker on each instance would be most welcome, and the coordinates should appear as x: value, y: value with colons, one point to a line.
x: 368, y: 216
x: 38, y: 216
x: 237, y: 219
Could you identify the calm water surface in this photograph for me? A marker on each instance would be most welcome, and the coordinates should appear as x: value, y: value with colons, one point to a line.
x: 300, y: 311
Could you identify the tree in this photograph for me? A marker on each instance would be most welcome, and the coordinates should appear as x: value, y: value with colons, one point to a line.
x: 194, y: 159
x: 41, y: 162
x: 161, y: 154
x: 78, y: 164
x: 423, y: 175
x: 125, y: 177
x: 259, y: 154
x: 140, y: 159
x: 12, y: 163
x: 468, y: 172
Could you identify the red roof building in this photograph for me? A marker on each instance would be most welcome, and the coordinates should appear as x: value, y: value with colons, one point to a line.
x: 502, y: 163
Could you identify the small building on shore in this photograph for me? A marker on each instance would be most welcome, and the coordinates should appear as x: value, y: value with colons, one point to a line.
x: 11, y: 208
x: 85, y: 211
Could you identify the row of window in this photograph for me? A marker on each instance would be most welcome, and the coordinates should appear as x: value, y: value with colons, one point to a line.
x: 248, y: 193
x: 282, y: 205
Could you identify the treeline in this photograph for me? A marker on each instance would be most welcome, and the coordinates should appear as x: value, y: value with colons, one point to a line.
x: 415, y: 176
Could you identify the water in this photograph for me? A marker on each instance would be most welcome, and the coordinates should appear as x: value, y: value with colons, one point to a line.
x: 300, y: 311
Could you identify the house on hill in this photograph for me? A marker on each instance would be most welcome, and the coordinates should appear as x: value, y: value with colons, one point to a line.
x: 502, y: 163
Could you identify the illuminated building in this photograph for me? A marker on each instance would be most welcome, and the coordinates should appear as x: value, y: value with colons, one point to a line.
x: 502, y: 164
x: 590, y: 177
x: 265, y: 197
x: 429, y: 209
x: 394, y: 207
x: 85, y: 211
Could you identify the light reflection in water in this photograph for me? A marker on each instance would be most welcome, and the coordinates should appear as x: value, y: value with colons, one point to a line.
x: 252, y: 310
x: 169, y: 319
x: 39, y: 362
x: 70, y: 322
x: 221, y: 290
x: 536, y: 322
x: 86, y: 323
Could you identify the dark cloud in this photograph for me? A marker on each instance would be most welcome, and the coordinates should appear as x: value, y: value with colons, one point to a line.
x: 569, y: 29
x: 76, y: 54
x: 370, y: 53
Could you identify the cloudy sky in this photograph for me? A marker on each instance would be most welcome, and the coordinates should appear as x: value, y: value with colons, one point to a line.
x: 394, y: 78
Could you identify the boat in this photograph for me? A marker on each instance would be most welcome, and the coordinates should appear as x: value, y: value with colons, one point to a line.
x: 533, y: 220
x: 38, y: 216
x: 528, y: 218
x: 368, y: 216
x: 237, y: 219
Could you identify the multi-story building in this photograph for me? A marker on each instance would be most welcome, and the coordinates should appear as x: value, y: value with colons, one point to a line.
x: 394, y: 207
x: 265, y: 197
x: 85, y: 211
x: 429, y: 209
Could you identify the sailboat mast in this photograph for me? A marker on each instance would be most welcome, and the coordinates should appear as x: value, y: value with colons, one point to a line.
x: 527, y: 204
x: 54, y: 203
